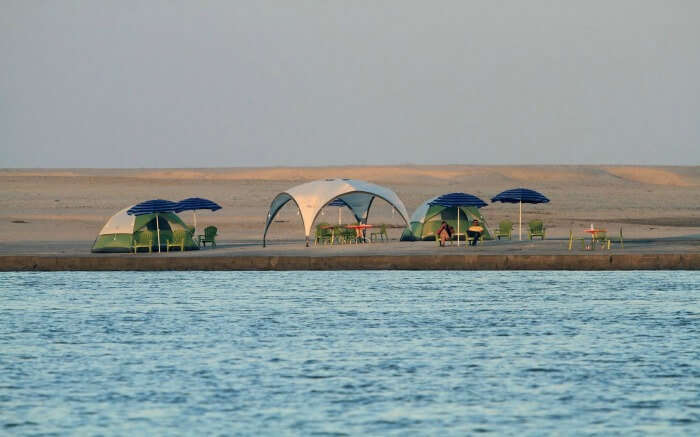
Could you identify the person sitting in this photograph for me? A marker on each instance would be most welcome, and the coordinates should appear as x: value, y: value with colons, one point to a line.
x: 444, y: 233
x: 474, y: 232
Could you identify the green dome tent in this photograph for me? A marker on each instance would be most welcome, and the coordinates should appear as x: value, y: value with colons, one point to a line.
x: 427, y: 218
x: 118, y: 232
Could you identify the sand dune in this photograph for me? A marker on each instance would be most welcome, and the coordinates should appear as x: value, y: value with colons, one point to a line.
x: 644, y: 175
x: 305, y: 174
x: 654, y: 176
x: 672, y: 176
x: 73, y: 204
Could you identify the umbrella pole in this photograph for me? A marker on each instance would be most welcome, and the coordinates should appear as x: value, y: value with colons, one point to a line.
x: 339, y: 210
x: 194, y: 217
x: 520, y: 222
x: 458, y: 226
x: 158, y: 228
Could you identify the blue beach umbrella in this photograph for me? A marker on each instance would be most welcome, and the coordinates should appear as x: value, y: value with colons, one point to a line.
x: 195, y: 203
x: 457, y: 200
x: 153, y: 207
x: 520, y: 195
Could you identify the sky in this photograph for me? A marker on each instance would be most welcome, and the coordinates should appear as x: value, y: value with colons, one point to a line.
x: 150, y: 84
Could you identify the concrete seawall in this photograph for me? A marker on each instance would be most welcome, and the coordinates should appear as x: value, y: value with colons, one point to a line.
x: 636, y: 261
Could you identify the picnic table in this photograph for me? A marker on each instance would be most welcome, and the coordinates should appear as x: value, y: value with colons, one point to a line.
x: 359, y: 230
x: 597, y: 235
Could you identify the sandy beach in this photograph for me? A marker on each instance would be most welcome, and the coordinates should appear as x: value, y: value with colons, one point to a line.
x: 69, y: 207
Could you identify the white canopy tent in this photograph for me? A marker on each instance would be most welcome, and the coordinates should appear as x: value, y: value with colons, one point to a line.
x: 311, y: 197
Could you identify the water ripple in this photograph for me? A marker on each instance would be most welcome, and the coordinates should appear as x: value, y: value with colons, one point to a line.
x: 348, y: 353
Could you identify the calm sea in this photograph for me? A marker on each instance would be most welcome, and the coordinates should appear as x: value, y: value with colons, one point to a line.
x: 350, y: 353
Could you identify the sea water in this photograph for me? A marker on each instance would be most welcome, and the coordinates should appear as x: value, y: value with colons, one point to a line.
x: 349, y: 353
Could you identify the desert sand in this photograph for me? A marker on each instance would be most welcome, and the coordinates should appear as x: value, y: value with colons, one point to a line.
x: 44, y: 207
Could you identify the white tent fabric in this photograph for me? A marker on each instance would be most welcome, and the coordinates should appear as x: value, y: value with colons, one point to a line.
x: 119, y: 223
x: 311, y: 197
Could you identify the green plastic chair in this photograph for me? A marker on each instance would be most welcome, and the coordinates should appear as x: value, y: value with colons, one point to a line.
x: 478, y: 240
x: 601, y: 238
x: 448, y: 242
x: 620, y: 240
x: 505, y: 229
x: 536, y: 229
x: 209, y: 236
x: 350, y: 235
x: 324, y: 234
x: 607, y: 242
x: 178, y: 240
x: 381, y: 235
x: 142, y: 240
x: 338, y: 235
x: 572, y: 239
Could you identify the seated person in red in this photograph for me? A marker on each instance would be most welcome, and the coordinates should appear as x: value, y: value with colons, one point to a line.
x: 444, y: 233
x: 474, y: 232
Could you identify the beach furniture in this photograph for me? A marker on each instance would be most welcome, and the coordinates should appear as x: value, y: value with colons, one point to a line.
x: 209, y: 236
x: 620, y: 240
x: 535, y: 229
x: 601, y: 238
x: 338, y: 234
x: 347, y: 235
x: 470, y: 239
x: 520, y: 196
x: 359, y: 229
x: 324, y: 234
x: 505, y: 228
x: 155, y: 206
x: 598, y: 237
x: 142, y: 240
x: 572, y: 239
x: 178, y: 240
x: 607, y: 242
x: 449, y: 241
x: 461, y: 236
x: 381, y: 235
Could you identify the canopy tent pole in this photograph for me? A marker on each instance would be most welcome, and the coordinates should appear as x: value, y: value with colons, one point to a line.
x: 520, y: 222
x: 158, y: 228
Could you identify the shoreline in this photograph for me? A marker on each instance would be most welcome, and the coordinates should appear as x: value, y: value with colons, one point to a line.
x: 592, y: 262
x: 52, y: 217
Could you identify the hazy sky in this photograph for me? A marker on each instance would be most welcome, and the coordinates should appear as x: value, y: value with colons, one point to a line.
x: 252, y: 83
